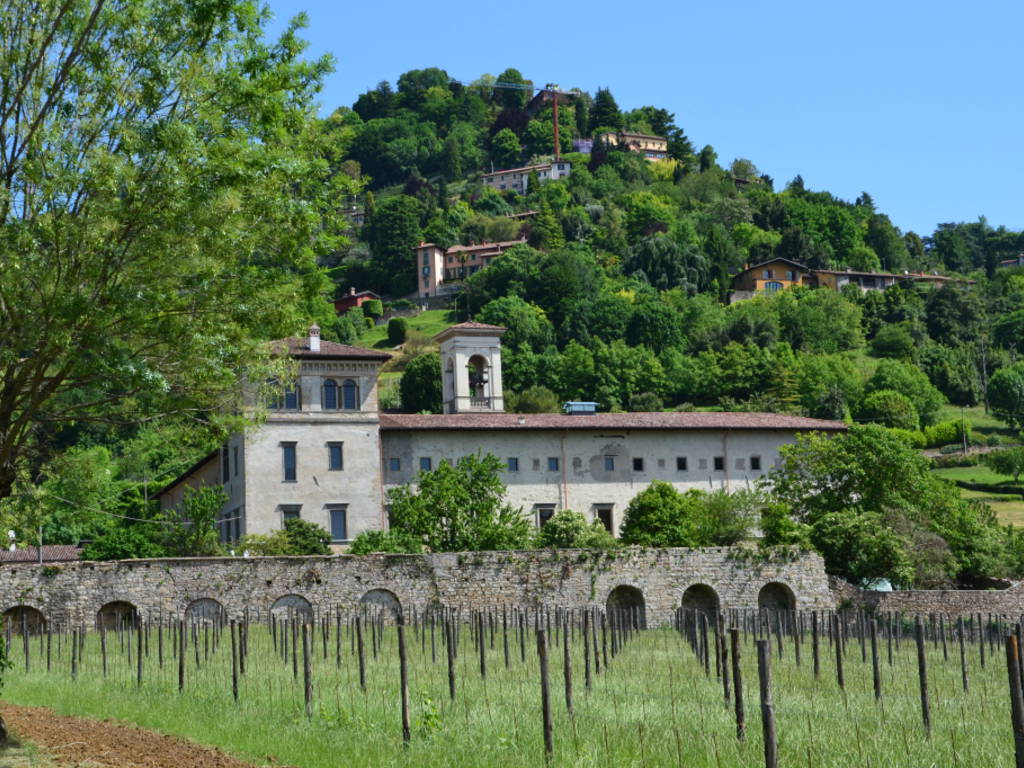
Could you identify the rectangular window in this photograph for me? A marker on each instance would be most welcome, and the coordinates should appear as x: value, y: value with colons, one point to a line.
x: 291, y: 399
x: 288, y: 457
x: 544, y: 513
x: 702, y: 463
x: 604, y: 514
x: 335, y: 456
x: 638, y: 464
x: 767, y: 274
x: 291, y: 511
x: 236, y: 460
x: 609, y: 463
x: 536, y: 465
x: 719, y: 463
x: 741, y: 464
x: 552, y: 463
x: 225, y: 466
x: 755, y: 463
x: 513, y: 464
x: 425, y: 464
x: 680, y: 463
x: 395, y: 464
x: 339, y: 524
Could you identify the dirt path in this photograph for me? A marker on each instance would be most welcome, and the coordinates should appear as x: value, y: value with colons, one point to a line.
x: 83, y: 742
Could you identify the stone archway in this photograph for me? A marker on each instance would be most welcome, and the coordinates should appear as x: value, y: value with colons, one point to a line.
x: 206, y: 610
x: 628, y: 602
x: 701, y: 598
x: 292, y: 607
x: 381, y: 600
x: 24, y: 618
x: 776, y: 596
x: 117, y: 614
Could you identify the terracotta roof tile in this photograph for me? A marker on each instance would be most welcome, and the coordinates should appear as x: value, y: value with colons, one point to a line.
x: 625, y: 421
x: 470, y: 326
x: 299, y: 347
x: 52, y: 553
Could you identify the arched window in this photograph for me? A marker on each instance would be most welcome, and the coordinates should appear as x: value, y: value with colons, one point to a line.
x: 330, y: 395
x: 349, y: 395
x: 772, y: 286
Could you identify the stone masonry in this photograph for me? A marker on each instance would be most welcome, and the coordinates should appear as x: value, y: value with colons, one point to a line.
x: 75, y: 593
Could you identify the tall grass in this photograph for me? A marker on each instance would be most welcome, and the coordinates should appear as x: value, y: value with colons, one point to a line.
x: 652, y: 706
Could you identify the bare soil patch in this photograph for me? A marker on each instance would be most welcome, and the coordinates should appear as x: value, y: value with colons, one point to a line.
x: 85, y: 743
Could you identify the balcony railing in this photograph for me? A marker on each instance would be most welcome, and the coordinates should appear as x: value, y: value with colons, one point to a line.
x: 480, y: 402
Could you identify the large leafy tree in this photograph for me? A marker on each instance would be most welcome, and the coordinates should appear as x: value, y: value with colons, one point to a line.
x: 161, y: 202
x: 1006, y: 394
x: 420, y: 386
x: 871, y: 506
x: 459, y: 508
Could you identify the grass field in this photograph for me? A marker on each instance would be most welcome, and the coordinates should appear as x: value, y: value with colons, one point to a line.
x: 981, y: 422
x: 652, y: 706
x: 1009, y: 508
x: 429, y: 323
x: 976, y: 474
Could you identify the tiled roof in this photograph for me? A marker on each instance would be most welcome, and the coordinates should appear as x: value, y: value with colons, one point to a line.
x: 52, y: 553
x: 624, y: 421
x: 485, y: 246
x: 299, y: 347
x: 470, y: 326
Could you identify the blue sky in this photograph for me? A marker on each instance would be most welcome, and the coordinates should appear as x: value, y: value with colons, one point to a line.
x: 917, y: 103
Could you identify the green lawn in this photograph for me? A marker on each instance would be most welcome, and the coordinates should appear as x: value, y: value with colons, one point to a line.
x: 653, y: 706
x: 976, y: 474
x: 429, y: 323
x: 1009, y: 508
x: 981, y: 422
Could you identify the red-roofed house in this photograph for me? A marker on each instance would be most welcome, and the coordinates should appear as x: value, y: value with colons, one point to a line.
x: 440, y: 270
x: 353, y: 299
x: 326, y: 454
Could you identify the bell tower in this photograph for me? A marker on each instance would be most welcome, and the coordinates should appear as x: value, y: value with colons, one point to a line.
x: 471, y: 368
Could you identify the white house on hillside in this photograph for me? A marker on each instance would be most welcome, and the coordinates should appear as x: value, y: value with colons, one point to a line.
x: 326, y: 454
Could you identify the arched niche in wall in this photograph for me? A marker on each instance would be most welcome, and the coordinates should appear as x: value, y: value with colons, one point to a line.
x: 117, y: 614
x: 701, y: 598
x: 24, y: 618
x: 292, y: 607
x: 628, y: 604
x: 206, y: 609
x: 382, y: 600
x: 776, y: 596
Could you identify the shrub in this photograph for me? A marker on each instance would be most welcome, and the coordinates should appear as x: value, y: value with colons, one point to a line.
x: 394, y: 542
x: 373, y: 308
x: 306, y: 538
x: 1007, y: 462
x: 398, y: 331
x: 890, y: 409
x: 912, y: 437
x: 944, y: 433
x: 400, y: 305
x: 892, y: 341
x: 568, y: 529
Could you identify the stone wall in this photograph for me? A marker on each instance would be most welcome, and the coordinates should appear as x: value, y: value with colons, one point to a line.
x: 945, y: 602
x: 568, y: 579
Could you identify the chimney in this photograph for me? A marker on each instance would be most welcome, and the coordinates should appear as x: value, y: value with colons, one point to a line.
x: 352, y: 290
x: 314, y: 338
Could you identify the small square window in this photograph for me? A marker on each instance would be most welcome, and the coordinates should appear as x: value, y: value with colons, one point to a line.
x: 425, y: 464
x: 335, y: 457
x: 719, y: 463
x: 291, y: 511
x: 395, y: 464
x: 513, y: 464
x: 741, y: 463
x: 680, y: 463
x: 638, y: 464
x: 755, y: 463
x: 609, y: 463
x: 552, y: 463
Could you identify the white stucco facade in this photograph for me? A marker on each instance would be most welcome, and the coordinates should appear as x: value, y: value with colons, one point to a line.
x: 327, y: 455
